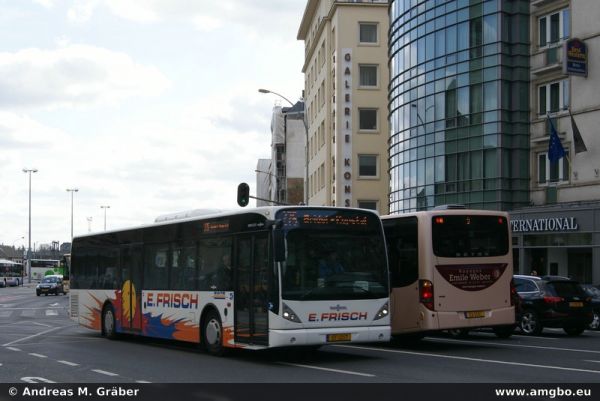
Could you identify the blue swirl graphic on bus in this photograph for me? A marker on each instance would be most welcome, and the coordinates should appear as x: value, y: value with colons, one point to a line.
x: 157, y: 327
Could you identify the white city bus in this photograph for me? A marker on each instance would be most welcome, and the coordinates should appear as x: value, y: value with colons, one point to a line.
x: 450, y: 270
x: 11, y: 273
x: 266, y: 277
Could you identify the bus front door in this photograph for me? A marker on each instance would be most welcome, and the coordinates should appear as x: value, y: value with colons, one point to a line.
x: 131, y: 288
x: 251, y: 290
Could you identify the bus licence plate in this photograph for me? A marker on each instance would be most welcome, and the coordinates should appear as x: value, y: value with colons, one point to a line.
x: 475, y: 314
x: 332, y: 338
x: 576, y: 304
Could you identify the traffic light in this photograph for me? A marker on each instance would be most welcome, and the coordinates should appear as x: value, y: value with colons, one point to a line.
x: 243, y: 194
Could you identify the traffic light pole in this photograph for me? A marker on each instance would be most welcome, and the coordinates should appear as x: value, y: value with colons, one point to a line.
x: 268, y: 200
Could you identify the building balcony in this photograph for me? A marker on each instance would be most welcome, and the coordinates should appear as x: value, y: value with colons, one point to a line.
x: 542, y: 3
x: 548, y: 60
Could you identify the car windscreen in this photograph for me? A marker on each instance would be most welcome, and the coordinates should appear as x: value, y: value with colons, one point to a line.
x: 50, y: 280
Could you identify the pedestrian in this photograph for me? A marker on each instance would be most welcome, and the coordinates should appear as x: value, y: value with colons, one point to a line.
x: 534, y: 273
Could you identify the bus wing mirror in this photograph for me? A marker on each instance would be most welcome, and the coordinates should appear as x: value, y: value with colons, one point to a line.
x: 279, y: 245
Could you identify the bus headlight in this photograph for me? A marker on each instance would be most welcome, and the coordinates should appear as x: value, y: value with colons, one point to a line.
x: 290, y: 315
x: 383, y: 312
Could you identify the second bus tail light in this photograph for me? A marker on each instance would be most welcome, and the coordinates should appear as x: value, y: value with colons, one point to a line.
x: 426, y: 293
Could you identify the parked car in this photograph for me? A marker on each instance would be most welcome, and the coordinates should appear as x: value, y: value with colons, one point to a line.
x: 552, y: 302
x: 51, y: 285
x: 594, y: 293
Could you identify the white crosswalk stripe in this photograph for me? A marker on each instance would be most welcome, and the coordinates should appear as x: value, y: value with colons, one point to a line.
x: 31, y: 313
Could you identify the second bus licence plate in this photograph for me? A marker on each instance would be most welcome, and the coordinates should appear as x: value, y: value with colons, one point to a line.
x: 475, y: 314
x: 331, y: 338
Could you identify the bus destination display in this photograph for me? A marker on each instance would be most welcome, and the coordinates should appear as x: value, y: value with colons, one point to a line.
x: 299, y: 218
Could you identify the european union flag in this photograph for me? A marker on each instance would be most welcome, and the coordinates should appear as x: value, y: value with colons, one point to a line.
x: 555, y: 148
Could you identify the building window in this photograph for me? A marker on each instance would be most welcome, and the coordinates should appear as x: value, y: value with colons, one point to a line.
x: 367, y: 204
x: 367, y: 166
x: 368, y: 75
x: 554, y: 27
x: 367, y: 119
x: 553, y: 97
x: 368, y: 32
x: 552, y: 172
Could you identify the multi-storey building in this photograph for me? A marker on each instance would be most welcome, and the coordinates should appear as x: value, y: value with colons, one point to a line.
x: 459, y: 104
x: 346, y: 76
x: 557, y: 234
x: 476, y: 87
x: 281, y: 178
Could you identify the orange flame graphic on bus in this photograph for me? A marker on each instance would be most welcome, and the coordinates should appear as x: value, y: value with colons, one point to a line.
x: 129, y: 300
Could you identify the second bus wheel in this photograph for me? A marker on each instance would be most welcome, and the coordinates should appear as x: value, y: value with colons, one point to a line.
x: 108, y: 322
x: 212, y: 335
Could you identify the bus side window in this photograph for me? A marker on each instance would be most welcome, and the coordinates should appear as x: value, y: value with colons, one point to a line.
x: 156, y: 268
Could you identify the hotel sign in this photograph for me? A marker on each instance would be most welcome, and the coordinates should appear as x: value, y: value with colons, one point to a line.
x: 575, y: 58
x: 544, y: 224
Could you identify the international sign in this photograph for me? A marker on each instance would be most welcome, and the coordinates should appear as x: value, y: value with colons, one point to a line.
x: 576, y: 57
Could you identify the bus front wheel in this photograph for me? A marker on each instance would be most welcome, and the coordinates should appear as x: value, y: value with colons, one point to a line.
x: 212, y: 335
x: 108, y: 322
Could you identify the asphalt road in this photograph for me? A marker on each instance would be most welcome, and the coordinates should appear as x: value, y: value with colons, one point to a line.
x: 38, y: 343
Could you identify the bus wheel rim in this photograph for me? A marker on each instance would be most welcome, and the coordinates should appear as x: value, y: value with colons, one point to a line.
x: 108, y: 322
x: 213, y: 332
x: 595, y: 322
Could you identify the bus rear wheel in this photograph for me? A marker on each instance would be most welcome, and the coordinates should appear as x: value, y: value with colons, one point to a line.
x: 504, y: 331
x: 108, y: 322
x: 212, y: 335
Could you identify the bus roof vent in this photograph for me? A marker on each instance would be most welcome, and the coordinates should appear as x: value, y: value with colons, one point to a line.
x: 449, y: 207
x: 186, y: 215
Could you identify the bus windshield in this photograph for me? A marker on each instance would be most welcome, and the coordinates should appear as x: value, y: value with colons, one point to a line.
x: 333, y: 255
x: 458, y: 236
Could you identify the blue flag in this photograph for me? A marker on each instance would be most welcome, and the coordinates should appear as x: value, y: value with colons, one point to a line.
x: 555, y: 148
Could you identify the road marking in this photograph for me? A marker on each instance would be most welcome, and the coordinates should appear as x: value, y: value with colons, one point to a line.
x: 37, y: 355
x: 33, y: 336
x: 513, y: 345
x: 104, y: 372
x: 142, y: 381
x: 50, y: 312
x: 36, y: 380
x: 348, y: 372
x: 464, y: 358
x: 588, y: 360
x: 13, y: 349
x: 536, y: 337
x: 41, y: 324
x: 68, y: 363
x: 45, y: 307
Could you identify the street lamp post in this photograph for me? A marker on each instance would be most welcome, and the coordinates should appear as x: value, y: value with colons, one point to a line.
x: 306, y: 133
x: 72, y: 191
x: 105, y: 207
x: 18, y: 239
x: 29, y: 171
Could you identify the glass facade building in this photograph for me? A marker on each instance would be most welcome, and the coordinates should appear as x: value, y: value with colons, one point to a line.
x: 459, y: 104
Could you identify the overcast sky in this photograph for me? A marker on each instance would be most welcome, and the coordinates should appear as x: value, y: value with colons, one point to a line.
x: 149, y: 106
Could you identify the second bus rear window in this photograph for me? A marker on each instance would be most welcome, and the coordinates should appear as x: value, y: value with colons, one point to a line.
x: 460, y: 236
